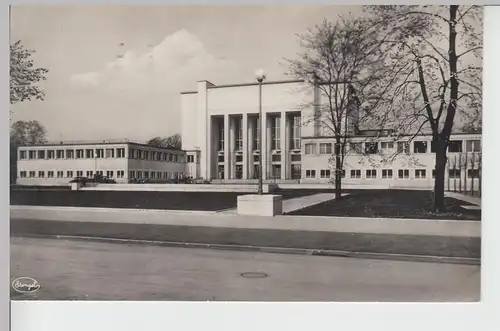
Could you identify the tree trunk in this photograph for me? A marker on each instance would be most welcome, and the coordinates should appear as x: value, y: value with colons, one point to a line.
x: 338, y: 172
x: 440, y: 176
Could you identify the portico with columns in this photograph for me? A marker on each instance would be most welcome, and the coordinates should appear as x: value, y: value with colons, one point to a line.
x: 235, y: 145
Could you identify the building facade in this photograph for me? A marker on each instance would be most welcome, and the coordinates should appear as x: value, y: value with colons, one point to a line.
x: 221, y: 135
x: 57, y: 164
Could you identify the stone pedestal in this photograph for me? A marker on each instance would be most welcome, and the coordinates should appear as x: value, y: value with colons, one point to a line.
x: 76, y: 186
x: 260, y: 205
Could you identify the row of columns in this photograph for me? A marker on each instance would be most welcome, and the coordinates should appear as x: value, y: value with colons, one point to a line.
x: 249, y: 130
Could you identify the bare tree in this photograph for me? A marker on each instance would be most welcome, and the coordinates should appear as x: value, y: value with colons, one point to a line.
x: 344, y: 62
x: 24, y: 75
x: 439, y: 54
x: 173, y: 141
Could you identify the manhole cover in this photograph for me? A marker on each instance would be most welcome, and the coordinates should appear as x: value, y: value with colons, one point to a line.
x: 254, y: 275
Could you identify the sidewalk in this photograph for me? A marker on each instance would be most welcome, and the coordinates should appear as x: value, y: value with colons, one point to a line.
x: 462, y: 197
x: 455, y: 239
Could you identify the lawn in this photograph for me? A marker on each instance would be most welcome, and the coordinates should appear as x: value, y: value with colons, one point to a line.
x: 206, y: 201
x: 391, y: 204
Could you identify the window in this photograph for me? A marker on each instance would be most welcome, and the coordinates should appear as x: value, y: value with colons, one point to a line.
x: 386, y: 145
x: 158, y: 156
x: 146, y: 155
x: 402, y: 147
x: 79, y: 153
x: 109, y: 173
x: 50, y: 174
x: 22, y: 155
x: 276, y: 157
x: 325, y: 173
x: 131, y: 174
x: 120, y: 152
x: 140, y: 154
x: 420, y: 173
x: 455, y: 146
x: 32, y: 174
x: 69, y: 174
x: 433, y: 173
x: 60, y: 174
x: 473, y: 145
x: 22, y: 174
x: 79, y: 173
x: 371, y: 173
x: 296, y: 157
x: 403, y: 173
x: 310, y: 148
x: 89, y: 153
x: 170, y: 157
x: 190, y: 158
x: 295, y: 136
x: 473, y: 173
x: 454, y: 173
x: 296, y: 171
x: 60, y: 154
x: 132, y: 153
x: 310, y: 173
x: 275, y: 132
x: 371, y: 148
x: 165, y: 175
x: 70, y: 154
x: 139, y: 174
x: 99, y: 172
x: 221, y: 135
x: 41, y: 174
x: 386, y: 173
x: 420, y: 147
x: 356, y: 148
x: 110, y: 152
x: 355, y: 173
x: 51, y: 154
x: 256, y: 137
x: 41, y: 154
x: 158, y: 174
x: 325, y: 148
x: 239, y: 133
x: 90, y: 173
x: 153, y: 175
x: 32, y: 155
x: 99, y: 153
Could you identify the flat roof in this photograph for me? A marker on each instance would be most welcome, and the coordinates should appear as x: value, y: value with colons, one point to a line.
x: 99, y: 143
x: 212, y: 86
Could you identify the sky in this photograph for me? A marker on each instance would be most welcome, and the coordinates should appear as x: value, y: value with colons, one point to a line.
x: 116, y: 71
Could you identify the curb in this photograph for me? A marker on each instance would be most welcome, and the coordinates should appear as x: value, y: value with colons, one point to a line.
x: 276, y: 250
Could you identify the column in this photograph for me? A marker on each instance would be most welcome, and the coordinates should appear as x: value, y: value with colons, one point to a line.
x: 226, y: 147
x: 268, y: 148
x: 245, y: 146
x: 249, y: 147
x: 263, y: 142
x: 284, y: 134
x: 232, y: 147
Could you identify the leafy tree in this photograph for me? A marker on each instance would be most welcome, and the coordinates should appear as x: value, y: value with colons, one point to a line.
x: 438, y: 52
x: 24, y: 75
x: 173, y: 141
x: 24, y: 133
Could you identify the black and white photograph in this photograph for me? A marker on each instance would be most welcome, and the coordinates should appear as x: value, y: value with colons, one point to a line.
x: 257, y: 153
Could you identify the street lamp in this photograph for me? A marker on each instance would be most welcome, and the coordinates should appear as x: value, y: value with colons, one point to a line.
x: 260, y: 76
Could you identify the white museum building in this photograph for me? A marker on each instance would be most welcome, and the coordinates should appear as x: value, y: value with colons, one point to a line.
x: 221, y: 136
x: 123, y: 161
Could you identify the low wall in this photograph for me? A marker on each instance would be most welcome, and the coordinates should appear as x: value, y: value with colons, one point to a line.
x: 182, y: 187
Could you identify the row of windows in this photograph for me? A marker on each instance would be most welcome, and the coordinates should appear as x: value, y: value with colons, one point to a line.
x: 389, y: 173
x: 99, y: 153
x: 90, y: 174
x: 419, y: 147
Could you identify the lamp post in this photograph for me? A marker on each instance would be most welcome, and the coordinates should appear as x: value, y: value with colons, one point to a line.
x: 260, y: 76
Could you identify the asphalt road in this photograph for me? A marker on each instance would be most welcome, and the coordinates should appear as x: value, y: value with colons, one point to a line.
x: 83, y: 270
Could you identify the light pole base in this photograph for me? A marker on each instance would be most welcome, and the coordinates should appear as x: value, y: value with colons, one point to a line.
x: 260, y: 205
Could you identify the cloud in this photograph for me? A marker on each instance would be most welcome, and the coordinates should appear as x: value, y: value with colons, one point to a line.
x: 180, y: 57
